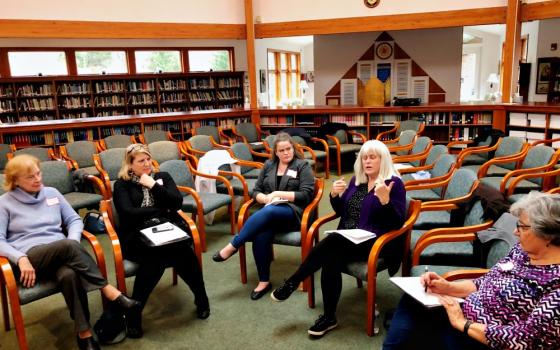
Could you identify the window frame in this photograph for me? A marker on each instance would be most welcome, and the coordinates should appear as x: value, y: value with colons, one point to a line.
x: 288, y: 71
x: 71, y: 63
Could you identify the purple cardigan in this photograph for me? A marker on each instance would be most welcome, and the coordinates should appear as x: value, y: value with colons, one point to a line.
x: 374, y: 217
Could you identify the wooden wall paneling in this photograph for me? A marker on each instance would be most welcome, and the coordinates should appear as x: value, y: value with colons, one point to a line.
x: 22, y: 28
x: 540, y: 10
x: 457, y: 18
x: 513, y: 40
x: 4, y: 66
x: 251, y: 63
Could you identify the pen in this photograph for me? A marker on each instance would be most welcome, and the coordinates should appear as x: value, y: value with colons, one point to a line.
x: 426, y: 285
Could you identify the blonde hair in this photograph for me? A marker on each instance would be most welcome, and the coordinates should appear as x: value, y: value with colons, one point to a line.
x: 130, y: 153
x: 386, y: 166
x: 20, y: 165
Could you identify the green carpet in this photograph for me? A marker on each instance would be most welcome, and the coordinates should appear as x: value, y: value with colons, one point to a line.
x: 236, y: 321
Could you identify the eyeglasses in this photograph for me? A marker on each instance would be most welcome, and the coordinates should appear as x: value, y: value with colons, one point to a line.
x: 521, y: 227
x: 135, y: 147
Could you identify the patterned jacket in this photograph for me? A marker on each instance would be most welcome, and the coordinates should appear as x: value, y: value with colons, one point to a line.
x: 519, y: 303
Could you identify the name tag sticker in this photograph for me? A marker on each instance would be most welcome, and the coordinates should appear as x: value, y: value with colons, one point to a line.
x: 159, y: 181
x: 291, y: 173
x: 52, y: 201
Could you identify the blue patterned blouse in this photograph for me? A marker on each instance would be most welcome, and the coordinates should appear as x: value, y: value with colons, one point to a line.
x: 519, y: 303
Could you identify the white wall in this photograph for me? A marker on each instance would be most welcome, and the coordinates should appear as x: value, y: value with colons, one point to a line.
x: 176, y: 11
x: 531, y: 29
x: 285, y: 44
x: 490, y: 54
x: 300, y: 10
x: 308, y: 65
x: 437, y: 51
x: 239, y: 46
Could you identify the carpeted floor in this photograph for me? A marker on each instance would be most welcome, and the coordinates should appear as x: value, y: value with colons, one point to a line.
x: 236, y: 321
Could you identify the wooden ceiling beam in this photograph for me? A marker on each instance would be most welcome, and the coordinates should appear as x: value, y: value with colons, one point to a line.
x: 23, y: 28
x: 458, y: 18
x: 540, y: 10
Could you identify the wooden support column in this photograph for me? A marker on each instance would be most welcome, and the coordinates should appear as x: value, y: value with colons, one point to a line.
x: 251, y: 65
x: 511, y: 55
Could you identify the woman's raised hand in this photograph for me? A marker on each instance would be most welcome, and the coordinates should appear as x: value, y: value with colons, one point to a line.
x: 339, y: 186
x: 383, y: 192
x: 27, y: 272
x: 147, y: 181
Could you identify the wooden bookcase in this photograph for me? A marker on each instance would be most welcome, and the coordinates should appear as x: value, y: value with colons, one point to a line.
x: 43, y: 98
x: 535, y: 121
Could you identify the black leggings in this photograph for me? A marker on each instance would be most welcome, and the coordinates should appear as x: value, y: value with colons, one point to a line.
x: 155, y: 260
x: 331, y: 255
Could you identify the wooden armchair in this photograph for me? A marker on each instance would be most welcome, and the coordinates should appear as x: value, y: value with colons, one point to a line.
x: 418, y: 154
x: 126, y: 268
x: 216, y: 132
x: 391, y: 136
x: 250, y: 134
x: 366, y: 270
x: 12, y: 290
x: 116, y: 141
x: 198, y: 145
x: 552, y: 174
x: 150, y: 136
x: 41, y: 153
x: 504, y: 164
x: 80, y: 154
x: 294, y: 238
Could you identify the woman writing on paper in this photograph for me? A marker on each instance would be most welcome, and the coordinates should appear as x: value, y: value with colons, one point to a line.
x: 40, y: 234
x: 143, y: 199
x: 285, y: 177
x: 375, y: 201
x: 516, y: 305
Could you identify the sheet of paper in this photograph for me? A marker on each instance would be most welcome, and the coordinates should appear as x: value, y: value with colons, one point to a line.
x: 399, y: 166
x: 277, y: 201
x: 357, y: 236
x: 159, y: 238
x: 413, y: 287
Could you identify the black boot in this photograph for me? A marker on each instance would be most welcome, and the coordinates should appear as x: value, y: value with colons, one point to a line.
x: 202, y: 307
x: 124, y: 303
x: 88, y: 343
x: 134, y: 323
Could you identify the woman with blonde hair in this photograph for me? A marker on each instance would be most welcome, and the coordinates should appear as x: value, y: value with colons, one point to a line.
x: 374, y: 200
x: 32, y: 220
x: 144, y: 199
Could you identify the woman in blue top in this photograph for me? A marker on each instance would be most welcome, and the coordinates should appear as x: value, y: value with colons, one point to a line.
x: 32, y: 219
x: 374, y: 201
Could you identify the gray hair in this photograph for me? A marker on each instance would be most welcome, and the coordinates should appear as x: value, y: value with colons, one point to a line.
x: 386, y: 166
x: 543, y: 210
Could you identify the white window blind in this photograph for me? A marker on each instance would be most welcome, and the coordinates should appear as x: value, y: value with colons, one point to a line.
x: 348, y: 92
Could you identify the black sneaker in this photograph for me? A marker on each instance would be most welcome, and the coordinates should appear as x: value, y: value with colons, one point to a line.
x: 322, y: 326
x: 284, y: 291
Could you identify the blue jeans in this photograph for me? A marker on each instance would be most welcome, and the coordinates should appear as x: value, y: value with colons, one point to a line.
x: 260, y: 229
x: 415, y: 326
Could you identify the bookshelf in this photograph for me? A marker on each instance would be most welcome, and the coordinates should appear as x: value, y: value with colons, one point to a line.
x: 54, y: 98
x: 534, y: 122
x: 553, y: 95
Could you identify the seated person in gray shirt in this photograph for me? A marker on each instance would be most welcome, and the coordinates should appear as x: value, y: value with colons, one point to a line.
x: 32, y: 218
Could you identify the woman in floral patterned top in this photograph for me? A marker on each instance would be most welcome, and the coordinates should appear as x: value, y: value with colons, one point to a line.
x: 516, y: 305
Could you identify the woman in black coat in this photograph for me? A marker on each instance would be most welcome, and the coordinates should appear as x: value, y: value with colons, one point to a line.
x: 143, y: 199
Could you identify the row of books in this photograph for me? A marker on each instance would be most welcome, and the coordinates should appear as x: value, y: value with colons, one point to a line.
x: 171, y: 84
x: 224, y: 83
x: 29, y: 139
x: 195, y: 124
x: 136, y: 111
x: 169, y: 109
x: 201, y: 83
x: 37, y: 104
x: 6, y: 106
x: 311, y: 120
x: 201, y: 96
x: 142, y: 99
x: 75, y: 115
x: 384, y: 119
x: 229, y: 122
x: 73, y: 88
x: 463, y: 134
x: 120, y: 130
x: 163, y: 126
x: 75, y: 135
x: 471, y: 118
x: 534, y: 120
x: 277, y: 120
x: 140, y: 86
x: 229, y: 95
x: 110, y: 101
x: 226, y: 104
x: 349, y: 119
x: 109, y: 113
x: 34, y: 90
x: 109, y: 87
x: 6, y: 91
x: 75, y: 102
x: 174, y: 97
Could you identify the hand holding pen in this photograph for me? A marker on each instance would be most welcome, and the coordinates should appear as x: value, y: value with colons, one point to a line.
x: 434, y: 283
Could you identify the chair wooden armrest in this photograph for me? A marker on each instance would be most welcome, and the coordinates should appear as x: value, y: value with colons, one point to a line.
x: 218, y: 177
x: 538, y: 142
x: 451, y: 144
x: 322, y: 142
x: 335, y: 140
x: 244, y: 212
x: 309, y: 150
x: 97, y: 251
x: 99, y: 184
x: 193, y: 151
x: 428, y: 185
x: 383, y: 134
x: 360, y: 135
x: 453, y: 200
x: 240, y: 178
x: 447, y: 234
x: 66, y: 157
x: 307, y: 213
x: 196, y: 197
x: 223, y: 135
x: 520, y: 172
x: 239, y: 136
x: 259, y: 154
x: 218, y: 145
x: 431, y: 206
x: 104, y: 176
x: 171, y: 138
x: 313, y: 231
x: 249, y: 163
x: 555, y: 190
x: 407, y: 147
x: 483, y: 170
x: 474, y: 150
x: 464, y: 274
x: 105, y: 208
x: 412, y: 157
x: 429, y: 181
x: 8, y: 278
x: 520, y: 178
x: 51, y: 154
x: 262, y: 131
x: 194, y: 235
x: 415, y: 169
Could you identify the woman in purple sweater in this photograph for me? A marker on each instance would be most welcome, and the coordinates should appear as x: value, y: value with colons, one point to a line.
x: 32, y: 220
x: 375, y: 201
x: 516, y: 305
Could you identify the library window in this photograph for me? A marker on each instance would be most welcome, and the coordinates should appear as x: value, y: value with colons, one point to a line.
x: 165, y: 61
x: 37, y: 63
x: 209, y: 60
x: 101, y: 62
x: 283, y: 77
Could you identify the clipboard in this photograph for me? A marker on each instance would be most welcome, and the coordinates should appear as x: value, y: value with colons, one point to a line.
x: 163, y: 234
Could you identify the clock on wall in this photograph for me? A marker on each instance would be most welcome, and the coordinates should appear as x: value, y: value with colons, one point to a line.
x: 371, y: 3
x: 384, y: 50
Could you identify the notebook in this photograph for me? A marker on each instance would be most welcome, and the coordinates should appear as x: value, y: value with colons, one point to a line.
x: 163, y: 234
x: 356, y: 236
x: 413, y: 287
